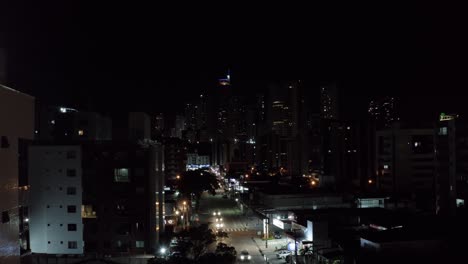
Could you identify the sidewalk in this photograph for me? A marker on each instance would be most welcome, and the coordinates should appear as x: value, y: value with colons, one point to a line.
x: 269, y: 252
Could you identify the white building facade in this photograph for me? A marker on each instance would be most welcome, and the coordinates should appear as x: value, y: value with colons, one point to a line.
x: 55, y: 222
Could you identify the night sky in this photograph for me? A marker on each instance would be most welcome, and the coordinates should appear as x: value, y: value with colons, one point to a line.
x: 119, y: 57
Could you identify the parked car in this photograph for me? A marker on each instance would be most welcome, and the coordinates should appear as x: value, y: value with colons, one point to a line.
x: 277, y: 235
x: 283, y: 254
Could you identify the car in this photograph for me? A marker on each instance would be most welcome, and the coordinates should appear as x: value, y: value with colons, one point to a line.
x: 174, y: 243
x: 245, y: 256
x: 219, y: 225
x: 176, y: 254
x: 215, y: 213
x: 277, y: 235
x: 283, y: 254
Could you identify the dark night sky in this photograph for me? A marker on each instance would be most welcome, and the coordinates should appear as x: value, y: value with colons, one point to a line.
x: 152, y: 57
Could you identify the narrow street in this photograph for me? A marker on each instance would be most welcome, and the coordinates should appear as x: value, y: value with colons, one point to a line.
x: 242, y: 228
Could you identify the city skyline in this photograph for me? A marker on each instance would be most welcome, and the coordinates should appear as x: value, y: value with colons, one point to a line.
x: 169, y: 63
x: 139, y: 133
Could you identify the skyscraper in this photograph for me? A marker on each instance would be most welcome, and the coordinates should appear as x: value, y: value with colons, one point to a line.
x: 329, y: 104
x: 382, y: 111
x: 157, y: 130
x: 191, y: 116
x: 180, y: 126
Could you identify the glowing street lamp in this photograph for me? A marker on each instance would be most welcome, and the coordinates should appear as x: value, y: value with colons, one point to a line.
x: 178, y: 177
x: 370, y: 181
x: 162, y: 250
x: 314, y: 183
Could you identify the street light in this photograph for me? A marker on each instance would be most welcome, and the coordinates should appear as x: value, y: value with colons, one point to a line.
x: 162, y: 250
x: 178, y: 177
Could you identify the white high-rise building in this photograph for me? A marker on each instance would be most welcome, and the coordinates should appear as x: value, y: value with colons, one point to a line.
x: 16, y: 124
x: 55, y: 223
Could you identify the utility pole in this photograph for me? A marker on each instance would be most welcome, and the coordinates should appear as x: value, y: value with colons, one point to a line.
x: 266, y: 222
x: 295, y: 245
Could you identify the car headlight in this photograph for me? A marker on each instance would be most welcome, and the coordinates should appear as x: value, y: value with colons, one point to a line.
x: 242, y: 257
x: 220, y: 219
x: 249, y: 257
x: 221, y: 225
x: 219, y: 213
x: 214, y: 213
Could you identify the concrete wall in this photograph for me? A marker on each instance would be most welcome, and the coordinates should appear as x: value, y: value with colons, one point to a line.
x: 16, y: 122
x: 48, y: 210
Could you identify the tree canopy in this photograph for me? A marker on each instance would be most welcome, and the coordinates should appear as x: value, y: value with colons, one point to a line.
x: 196, y: 182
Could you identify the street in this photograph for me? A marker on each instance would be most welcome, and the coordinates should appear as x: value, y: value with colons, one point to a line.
x: 242, y: 228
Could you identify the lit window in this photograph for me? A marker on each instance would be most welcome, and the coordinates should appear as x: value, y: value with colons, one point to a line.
x: 443, y: 131
x: 121, y: 175
x: 139, y: 244
x: 87, y: 211
x: 385, y: 166
x: 81, y: 132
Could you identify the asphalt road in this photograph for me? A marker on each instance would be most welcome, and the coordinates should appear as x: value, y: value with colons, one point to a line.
x: 242, y: 227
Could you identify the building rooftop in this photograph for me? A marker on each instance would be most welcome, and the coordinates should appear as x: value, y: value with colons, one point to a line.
x: 376, y: 216
x: 400, y: 234
x: 13, y: 90
x: 286, y: 189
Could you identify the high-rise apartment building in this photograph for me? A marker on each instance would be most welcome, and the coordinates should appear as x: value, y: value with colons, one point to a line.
x: 405, y: 163
x: 139, y: 126
x: 55, y: 225
x: 329, y: 104
x: 71, y: 213
x: 382, y: 112
x: 451, y: 150
x: 16, y: 126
